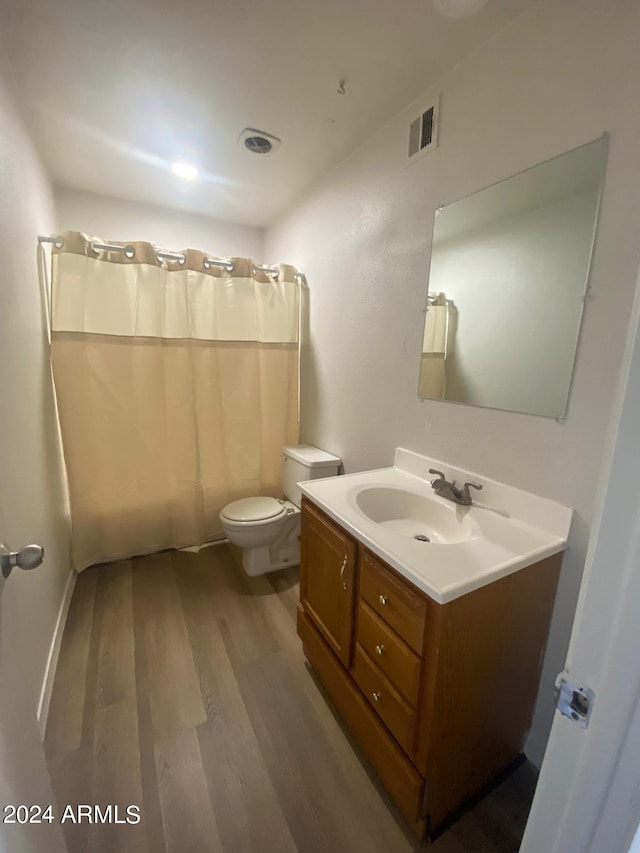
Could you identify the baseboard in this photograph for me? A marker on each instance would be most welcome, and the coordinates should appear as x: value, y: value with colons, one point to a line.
x: 54, y: 651
x: 195, y: 549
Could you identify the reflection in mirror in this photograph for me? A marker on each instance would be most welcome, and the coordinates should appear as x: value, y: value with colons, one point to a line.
x: 509, y: 270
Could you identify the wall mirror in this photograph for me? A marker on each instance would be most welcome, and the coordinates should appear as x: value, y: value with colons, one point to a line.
x: 507, y: 282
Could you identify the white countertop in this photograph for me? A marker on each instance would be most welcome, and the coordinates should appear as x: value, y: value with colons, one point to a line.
x: 512, y: 529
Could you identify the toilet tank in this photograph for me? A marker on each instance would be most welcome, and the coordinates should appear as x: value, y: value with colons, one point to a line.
x: 304, y: 462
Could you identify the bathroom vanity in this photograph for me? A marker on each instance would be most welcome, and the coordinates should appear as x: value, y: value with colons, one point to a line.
x: 435, y: 671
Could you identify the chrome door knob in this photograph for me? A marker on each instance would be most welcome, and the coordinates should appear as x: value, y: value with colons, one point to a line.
x: 27, y: 558
x: 380, y: 649
x: 383, y: 599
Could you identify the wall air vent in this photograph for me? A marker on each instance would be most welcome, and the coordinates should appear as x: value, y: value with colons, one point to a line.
x: 423, y: 133
x: 258, y: 141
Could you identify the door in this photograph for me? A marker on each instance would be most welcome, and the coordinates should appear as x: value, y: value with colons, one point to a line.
x: 32, y: 499
x: 25, y: 515
x: 327, y: 564
x: 588, y: 795
x: 23, y: 774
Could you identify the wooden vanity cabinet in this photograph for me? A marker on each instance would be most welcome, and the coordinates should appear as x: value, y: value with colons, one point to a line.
x: 438, y: 696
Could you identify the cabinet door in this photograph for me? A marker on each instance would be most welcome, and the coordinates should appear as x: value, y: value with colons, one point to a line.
x: 327, y: 565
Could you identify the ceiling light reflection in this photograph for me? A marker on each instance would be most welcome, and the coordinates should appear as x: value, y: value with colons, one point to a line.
x: 184, y: 170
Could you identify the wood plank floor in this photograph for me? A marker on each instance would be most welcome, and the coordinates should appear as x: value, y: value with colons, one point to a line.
x: 182, y: 688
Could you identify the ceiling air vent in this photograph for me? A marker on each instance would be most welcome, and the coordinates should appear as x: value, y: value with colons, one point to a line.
x: 258, y: 141
x: 423, y: 133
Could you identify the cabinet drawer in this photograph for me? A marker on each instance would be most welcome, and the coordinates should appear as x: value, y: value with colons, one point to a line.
x: 396, y: 660
x: 400, y: 608
x: 398, y: 775
x: 399, y: 717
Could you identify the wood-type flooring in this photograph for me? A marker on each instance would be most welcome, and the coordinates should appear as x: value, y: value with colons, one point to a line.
x: 181, y: 688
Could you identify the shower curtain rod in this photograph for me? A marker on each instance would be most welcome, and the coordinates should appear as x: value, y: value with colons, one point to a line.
x: 58, y: 241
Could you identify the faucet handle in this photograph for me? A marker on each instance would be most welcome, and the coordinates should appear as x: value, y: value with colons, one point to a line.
x: 439, y: 473
x: 466, y: 497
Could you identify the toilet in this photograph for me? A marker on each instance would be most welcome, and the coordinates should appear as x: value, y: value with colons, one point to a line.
x: 268, y: 529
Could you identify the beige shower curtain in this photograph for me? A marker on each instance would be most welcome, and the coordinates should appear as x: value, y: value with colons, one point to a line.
x: 177, y: 386
x: 432, y: 381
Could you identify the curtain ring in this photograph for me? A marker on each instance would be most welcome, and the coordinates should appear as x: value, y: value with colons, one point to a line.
x: 267, y: 270
x: 129, y: 252
x: 207, y: 263
x: 59, y: 241
x: 180, y: 257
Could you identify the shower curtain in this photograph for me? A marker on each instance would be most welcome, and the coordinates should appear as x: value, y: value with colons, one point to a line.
x: 177, y: 386
x: 432, y: 381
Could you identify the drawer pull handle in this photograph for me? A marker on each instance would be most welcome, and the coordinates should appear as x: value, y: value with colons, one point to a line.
x: 379, y: 649
x: 383, y: 599
x: 342, y: 568
x: 377, y: 696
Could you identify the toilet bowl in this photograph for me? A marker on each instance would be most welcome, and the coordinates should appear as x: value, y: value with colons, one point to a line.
x: 268, y: 529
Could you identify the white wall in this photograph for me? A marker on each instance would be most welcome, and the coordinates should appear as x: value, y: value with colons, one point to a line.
x: 559, y: 76
x: 118, y: 219
x: 516, y: 288
x: 33, y: 505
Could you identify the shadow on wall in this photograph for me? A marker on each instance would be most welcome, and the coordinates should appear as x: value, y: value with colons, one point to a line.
x: 314, y: 411
x: 456, y: 380
x: 309, y: 398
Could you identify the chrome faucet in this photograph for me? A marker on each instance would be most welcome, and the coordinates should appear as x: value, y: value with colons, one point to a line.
x: 450, y: 491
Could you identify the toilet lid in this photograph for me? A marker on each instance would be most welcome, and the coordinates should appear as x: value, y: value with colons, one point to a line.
x: 253, y: 509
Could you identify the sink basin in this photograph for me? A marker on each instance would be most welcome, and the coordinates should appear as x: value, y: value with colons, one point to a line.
x: 464, y: 547
x: 415, y: 516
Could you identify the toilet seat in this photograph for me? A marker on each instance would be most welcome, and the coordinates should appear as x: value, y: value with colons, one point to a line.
x: 252, y: 510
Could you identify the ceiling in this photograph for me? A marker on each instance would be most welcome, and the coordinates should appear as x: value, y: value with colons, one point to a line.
x: 558, y: 180
x: 114, y: 92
